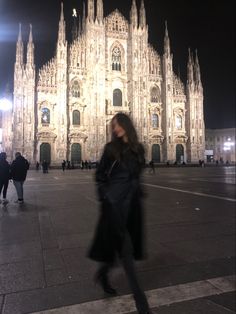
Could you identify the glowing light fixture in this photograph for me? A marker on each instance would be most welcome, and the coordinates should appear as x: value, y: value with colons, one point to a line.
x: 5, y: 104
x: 228, y: 144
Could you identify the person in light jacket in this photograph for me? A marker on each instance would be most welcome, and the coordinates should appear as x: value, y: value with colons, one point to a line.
x: 120, y: 226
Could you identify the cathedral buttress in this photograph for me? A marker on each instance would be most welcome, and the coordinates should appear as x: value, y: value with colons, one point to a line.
x: 141, y: 53
x: 195, y: 121
x: 133, y: 68
x: 60, y: 145
x: 167, y: 99
x: 18, y: 100
x: 29, y: 101
x: 96, y: 80
x: 200, y: 126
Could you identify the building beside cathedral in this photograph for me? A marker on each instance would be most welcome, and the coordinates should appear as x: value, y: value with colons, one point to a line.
x: 63, y: 110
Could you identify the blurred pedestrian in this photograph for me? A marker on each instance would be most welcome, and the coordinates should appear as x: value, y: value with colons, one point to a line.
x: 37, y: 166
x: 63, y: 165
x: 4, y: 177
x: 120, y: 227
x: 45, y: 166
x: 151, y: 167
x: 19, y: 168
x: 68, y: 164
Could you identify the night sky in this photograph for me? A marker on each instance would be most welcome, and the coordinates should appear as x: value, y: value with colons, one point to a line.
x: 205, y: 25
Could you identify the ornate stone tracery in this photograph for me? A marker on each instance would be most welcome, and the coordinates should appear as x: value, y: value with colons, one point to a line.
x: 117, y: 24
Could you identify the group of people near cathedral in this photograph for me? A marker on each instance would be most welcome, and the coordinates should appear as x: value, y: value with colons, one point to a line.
x: 16, y: 172
x: 84, y: 164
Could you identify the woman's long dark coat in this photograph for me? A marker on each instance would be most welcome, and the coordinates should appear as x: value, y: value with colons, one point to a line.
x: 121, y: 211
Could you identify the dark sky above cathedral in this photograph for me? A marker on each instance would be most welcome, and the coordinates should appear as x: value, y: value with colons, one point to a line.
x: 205, y: 25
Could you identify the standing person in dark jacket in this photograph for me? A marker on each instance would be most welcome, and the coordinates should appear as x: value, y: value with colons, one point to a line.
x: 19, y: 168
x: 120, y: 227
x: 45, y: 166
x: 4, y: 176
x: 63, y: 165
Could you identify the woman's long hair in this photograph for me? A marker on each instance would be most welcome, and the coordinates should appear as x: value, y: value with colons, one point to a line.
x: 126, y: 123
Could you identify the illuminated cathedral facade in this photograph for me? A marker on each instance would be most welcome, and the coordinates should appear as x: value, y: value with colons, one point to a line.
x: 63, y: 110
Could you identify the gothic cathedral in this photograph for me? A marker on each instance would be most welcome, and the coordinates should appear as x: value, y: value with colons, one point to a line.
x: 63, y: 111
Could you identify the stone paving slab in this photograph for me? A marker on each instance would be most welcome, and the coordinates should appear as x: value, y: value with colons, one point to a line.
x: 20, y: 276
x: 20, y: 251
x: 19, y: 224
x: 52, y: 259
x: 57, y: 277
x: 209, y: 248
x: 81, y: 239
x: 226, y: 300
x: 50, y: 297
x: 200, y: 306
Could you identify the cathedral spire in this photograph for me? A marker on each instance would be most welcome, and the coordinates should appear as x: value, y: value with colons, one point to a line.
x: 19, y: 48
x: 62, y: 27
x: 134, y: 14
x: 91, y: 10
x: 190, y: 78
x: 75, y: 30
x: 197, y: 70
x: 30, y: 48
x: 79, y: 25
x: 100, y: 11
x: 19, y: 34
x: 142, y: 15
x: 62, y: 12
x: 166, y: 41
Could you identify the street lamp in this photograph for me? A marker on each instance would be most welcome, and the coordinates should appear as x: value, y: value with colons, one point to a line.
x: 228, y: 144
x: 5, y: 104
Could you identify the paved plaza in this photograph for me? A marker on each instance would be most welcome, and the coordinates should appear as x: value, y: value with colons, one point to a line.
x: 189, y: 235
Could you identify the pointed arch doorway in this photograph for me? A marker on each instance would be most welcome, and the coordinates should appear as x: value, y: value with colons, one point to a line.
x: 76, y: 153
x: 179, y: 153
x: 45, y: 152
x: 156, y: 153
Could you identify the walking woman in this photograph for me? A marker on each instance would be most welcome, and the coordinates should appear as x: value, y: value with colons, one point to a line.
x: 120, y: 228
x: 4, y: 176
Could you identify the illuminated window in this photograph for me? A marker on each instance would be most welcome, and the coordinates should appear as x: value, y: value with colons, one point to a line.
x: 117, y: 97
x: 155, y: 121
x: 76, y: 117
x: 45, y: 117
x: 116, y: 59
x: 75, y: 89
x: 178, y: 122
